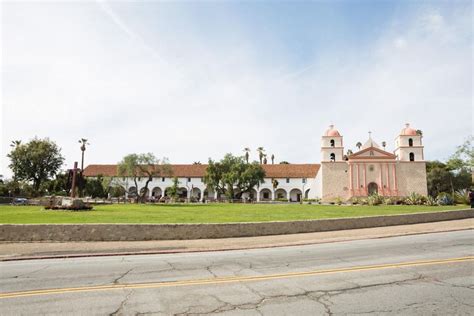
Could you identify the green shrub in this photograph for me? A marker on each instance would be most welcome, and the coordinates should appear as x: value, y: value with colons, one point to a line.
x: 355, y: 201
x: 375, y: 199
x: 462, y: 197
x: 390, y: 201
x: 338, y: 200
x: 444, y: 199
x: 415, y: 199
x: 431, y: 201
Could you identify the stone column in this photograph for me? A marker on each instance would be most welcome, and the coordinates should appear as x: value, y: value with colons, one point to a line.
x: 395, y: 186
x: 365, y: 179
x: 358, y: 180
x: 381, y: 179
x: 388, y: 178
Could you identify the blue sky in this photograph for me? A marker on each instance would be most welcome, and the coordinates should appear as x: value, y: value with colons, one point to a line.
x: 193, y: 80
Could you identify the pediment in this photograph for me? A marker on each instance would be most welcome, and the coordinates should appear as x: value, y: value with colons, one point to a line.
x: 372, y: 153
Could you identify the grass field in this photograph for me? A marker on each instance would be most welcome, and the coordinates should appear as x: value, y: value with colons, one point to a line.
x: 202, y: 213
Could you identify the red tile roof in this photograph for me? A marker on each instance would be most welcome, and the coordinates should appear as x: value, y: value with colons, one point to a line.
x: 198, y: 171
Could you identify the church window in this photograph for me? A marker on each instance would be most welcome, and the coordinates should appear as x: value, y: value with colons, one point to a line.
x: 189, y: 179
x: 371, y: 153
x: 332, y: 157
x: 332, y: 143
x: 304, y: 180
x: 371, y: 168
x: 412, y: 157
x: 163, y: 179
x: 287, y: 180
x: 410, y: 142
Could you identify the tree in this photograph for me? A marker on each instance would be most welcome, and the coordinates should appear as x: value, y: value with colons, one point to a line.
x: 95, y: 188
x: 143, y: 165
x: 232, y: 176
x: 83, y: 143
x: 36, y: 161
x: 359, y: 145
x: 442, y: 178
x: 261, y: 152
x: 273, y: 159
x: 247, y: 154
x: 173, y: 190
x: 265, y: 161
x: 284, y: 162
x: 384, y: 144
x: 463, y: 158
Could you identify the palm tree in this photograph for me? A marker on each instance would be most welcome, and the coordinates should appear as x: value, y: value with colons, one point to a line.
x: 247, y: 154
x: 384, y: 144
x: 83, y: 143
x: 358, y: 145
x: 273, y: 159
x: 349, y: 152
x: 264, y: 159
x: 260, y: 151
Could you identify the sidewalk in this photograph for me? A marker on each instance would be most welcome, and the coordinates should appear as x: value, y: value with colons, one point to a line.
x: 45, y: 250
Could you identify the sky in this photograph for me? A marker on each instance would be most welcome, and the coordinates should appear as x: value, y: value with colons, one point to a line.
x: 193, y: 80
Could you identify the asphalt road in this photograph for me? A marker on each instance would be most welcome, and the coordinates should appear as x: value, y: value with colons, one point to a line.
x: 411, y: 275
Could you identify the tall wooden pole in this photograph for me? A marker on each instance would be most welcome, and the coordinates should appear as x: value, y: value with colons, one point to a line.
x: 73, y: 186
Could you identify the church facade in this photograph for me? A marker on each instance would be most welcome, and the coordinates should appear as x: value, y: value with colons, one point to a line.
x: 340, y: 175
x: 372, y: 169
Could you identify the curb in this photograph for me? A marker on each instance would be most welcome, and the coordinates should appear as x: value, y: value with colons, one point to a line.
x: 144, y: 232
x: 198, y: 250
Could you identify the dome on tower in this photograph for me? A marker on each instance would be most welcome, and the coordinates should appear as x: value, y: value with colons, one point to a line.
x: 408, y: 131
x: 332, y: 131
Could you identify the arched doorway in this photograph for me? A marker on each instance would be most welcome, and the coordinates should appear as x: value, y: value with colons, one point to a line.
x: 280, y: 194
x: 132, y: 191
x: 306, y: 194
x: 196, y: 194
x: 295, y: 195
x: 373, y: 188
x: 265, y: 195
x: 156, y: 192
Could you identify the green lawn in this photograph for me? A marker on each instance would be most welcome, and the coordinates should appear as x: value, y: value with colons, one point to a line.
x: 202, y: 213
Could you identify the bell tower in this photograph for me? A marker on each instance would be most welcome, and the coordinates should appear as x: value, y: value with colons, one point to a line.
x: 332, y: 148
x: 409, y: 146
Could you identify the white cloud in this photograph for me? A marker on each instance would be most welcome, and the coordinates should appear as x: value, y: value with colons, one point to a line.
x: 102, y: 81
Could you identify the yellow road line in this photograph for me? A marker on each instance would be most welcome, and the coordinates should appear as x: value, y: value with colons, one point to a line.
x: 234, y: 279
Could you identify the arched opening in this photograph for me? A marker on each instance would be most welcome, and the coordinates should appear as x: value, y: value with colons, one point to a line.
x: 280, y: 194
x: 306, y: 194
x: 295, y: 195
x: 410, y: 142
x: 144, y: 192
x: 412, y: 157
x: 182, y: 193
x: 196, y: 194
x: 373, y: 188
x: 332, y: 143
x: 250, y: 196
x: 332, y: 157
x: 156, y: 192
x: 132, y: 191
x: 265, y: 195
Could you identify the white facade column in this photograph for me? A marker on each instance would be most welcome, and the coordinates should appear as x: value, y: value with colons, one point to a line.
x: 258, y: 195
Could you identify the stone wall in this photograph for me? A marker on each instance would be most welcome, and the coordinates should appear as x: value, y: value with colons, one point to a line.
x: 335, y: 181
x: 411, y: 177
x: 130, y: 232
